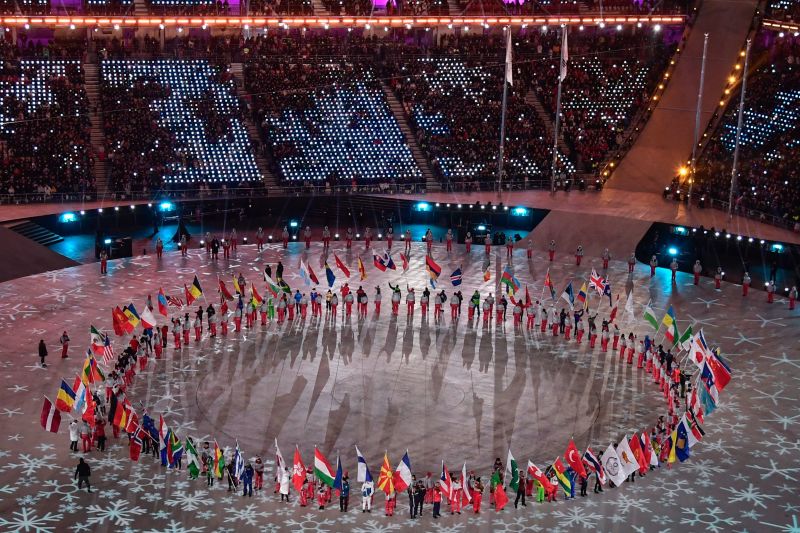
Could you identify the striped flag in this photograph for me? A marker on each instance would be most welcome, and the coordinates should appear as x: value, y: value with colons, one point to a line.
x: 456, y: 277
x: 51, y: 417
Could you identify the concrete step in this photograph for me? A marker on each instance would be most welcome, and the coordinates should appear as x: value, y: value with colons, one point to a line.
x: 532, y: 100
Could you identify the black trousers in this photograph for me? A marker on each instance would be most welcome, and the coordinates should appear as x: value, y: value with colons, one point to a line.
x: 343, y: 502
x: 520, y: 495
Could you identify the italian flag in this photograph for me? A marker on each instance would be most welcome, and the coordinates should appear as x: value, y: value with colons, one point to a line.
x: 322, y: 468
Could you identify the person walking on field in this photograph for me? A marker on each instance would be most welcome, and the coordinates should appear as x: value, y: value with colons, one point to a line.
x: 82, y: 473
x: 42, y: 352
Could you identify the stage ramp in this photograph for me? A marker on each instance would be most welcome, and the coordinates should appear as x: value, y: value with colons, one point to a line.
x: 25, y: 257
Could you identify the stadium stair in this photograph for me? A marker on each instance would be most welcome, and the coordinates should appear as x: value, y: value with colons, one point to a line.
x: 533, y: 100
x: 92, y: 79
x: 453, y: 8
x: 36, y: 233
x: 319, y: 8
x: 431, y: 183
x: 140, y: 8
x: 237, y: 71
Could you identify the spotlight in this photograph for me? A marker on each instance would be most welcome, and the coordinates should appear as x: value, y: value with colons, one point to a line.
x: 672, y: 251
x: 68, y: 217
x: 107, y: 241
x: 292, y: 224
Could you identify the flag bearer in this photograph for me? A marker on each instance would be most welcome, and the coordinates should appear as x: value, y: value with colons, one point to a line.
x: 64, y: 340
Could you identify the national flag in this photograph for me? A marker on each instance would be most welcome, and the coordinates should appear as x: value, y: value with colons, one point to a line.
x: 148, y: 319
x: 564, y: 55
x: 329, y: 275
x: 188, y: 295
x: 162, y: 302
x: 573, y: 457
x: 192, y: 458
x: 627, y: 460
x: 582, y: 295
x: 513, y: 469
x: 509, y: 280
x: 528, y: 301
x: 561, y: 475
x: 132, y: 316
x: 387, y: 259
x: 341, y: 266
x: 649, y: 452
x: 612, y: 466
x: 597, y: 282
x: 385, y: 477
x: 638, y: 453
x: 538, y: 475
x: 466, y: 493
x: 445, y: 482
x: 456, y: 277
x: 402, y: 476
x: 614, y: 310
x: 88, y: 407
x: 500, y: 497
x: 218, y: 461
x: 720, y: 369
x: 685, y: 339
x: 135, y: 444
x: 698, y: 349
x: 680, y: 442
x: 284, y: 287
x: 194, y: 288
x: 569, y: 295
x: 607, y: 291
x: 650, y: 317
x: 509, y: 61
x: 175, y: 449
x: 594, y: 464
x: 629, y: 310
x: 91, y: 372
x: 223, y: 290
x: 362, y: 273
x: 273, y: 288
x: 487, y: 274
x: 236, y: 288
x: 163, y: 438
x: 65, y: 400
x: 671, y: 334
x: 304, y: 273
x: 298, y: 470
x: 709, y: 381
x: 549, y: 284
x: 256, y: 298
x: 337, y: 481
x: 174, y: 301
x: 312, y: 276
x: 363, y: 470
x: 434, y: 270
x: 322, y: 468
x: 118, y: 321
x: 695, y: 432
x: 707, y: 401
x: 120, y: 413
x: 97, y: 340
x: 238, y: 462
x: 404, y: 261
x: 280, y: 464
x: 80, y: 395
x: 379, y: 262
x: 132, y: 420
x: 51, y: 417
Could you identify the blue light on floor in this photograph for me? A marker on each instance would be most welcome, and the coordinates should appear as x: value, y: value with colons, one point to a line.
x: 68, y: 217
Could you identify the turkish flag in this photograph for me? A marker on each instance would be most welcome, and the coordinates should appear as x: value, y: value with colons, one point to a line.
x: 573, y: 457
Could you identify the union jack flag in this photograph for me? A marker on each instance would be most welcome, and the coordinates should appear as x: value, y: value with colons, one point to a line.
x: 597, y: 282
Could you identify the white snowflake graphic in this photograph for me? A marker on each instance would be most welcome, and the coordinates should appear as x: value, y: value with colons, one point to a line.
x: 189, y: 501
x: 577, y: 517
x: 27, y: 520
x: 29, y: 465
x: 176, y: 527
x: 117, y: 513
x: 751, y: 494
x: 710, y: 519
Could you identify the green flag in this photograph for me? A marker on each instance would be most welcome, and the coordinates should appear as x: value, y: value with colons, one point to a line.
x: 650, y: 317
x: 194, y: 460
x: 511, y: 466
x: 686, y: 338
x: 495, y: 478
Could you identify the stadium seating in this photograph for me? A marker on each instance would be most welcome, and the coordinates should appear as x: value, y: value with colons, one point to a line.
x: 44, y: 128
x: 328, y: 122
x: 176, y: 121
x: 768, y: 179
x: 788, y: 10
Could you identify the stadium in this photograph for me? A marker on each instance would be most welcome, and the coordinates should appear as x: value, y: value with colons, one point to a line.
x: 441, y: 265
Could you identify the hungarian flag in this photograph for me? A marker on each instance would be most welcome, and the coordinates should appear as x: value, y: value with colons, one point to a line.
x: 51, y: 417
x: 573, y: 457
x: 223, y: 290
x: 385, y: 477
x: 341, y: 266
x: 361, y: 272
x: 322, y: 468
x: 162, y: 302
x: 298, y: 470
x: 402, y: 476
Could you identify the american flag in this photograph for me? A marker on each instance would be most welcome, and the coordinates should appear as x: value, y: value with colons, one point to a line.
x: 108, y: 352
x: 174, y: 301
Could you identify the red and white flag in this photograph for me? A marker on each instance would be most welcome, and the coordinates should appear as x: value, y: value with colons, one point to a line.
x: 298, y: 470
x: 404, y: 260
x: 51, y: 417
x: 341, y: 266
x: 444, y: 482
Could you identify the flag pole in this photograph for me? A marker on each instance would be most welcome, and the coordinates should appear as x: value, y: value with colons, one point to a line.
x: 697, y: 116
x: 561, y: 75
x: 507, y: 78
x: 735, y: 166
